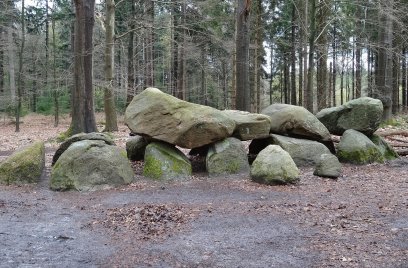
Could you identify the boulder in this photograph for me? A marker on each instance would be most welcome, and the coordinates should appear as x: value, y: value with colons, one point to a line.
x: 135, y: 147
x: 296, y: 121
x: 386, y: 150
x: 227, y: 157
x: 163, y: 117
x: 165, y: 162
x: 81, y: 137
x: 356, y: 148
x: 23, y: 166
x: 362, y: 114
x: 274, y: 166
x: 249, y: 126
x: 328, y: 166
x: 303, y: 152
x: 90, y: 165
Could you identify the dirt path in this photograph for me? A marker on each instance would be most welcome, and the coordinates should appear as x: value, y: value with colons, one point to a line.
x: 359, y: 220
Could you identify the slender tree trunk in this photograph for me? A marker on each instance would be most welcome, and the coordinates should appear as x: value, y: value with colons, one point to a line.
x: 149, y: 44
x: 293, y: 58
x: 130, y: 64
x: 175, y: 49
x: 204, y: 97
x: 181, y: 51
x: 384, y: 65
x: 305, y: 52
x: 321, y: 51
x: 20, y: 68
x: 54, y: 68
x: 395, y: 77
x: 1, y: 61
x: 334, y: 59
x: 272, y: 76
x: 309, y: 90
x: 358, y: 56
x: 111, y: 123
x: 404, y: 79
x: 258, y: 58
x: 12, y: 68
x: 243, y: 100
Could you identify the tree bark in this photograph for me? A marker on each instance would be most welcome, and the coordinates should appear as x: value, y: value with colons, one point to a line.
x: 149, y: 44
x: 83, y: 117
x: 309, y: 91
x: 130, y: 64
x: 243, y: 99
x: 404, y: 79
x: 293, y: 57
x: 111, y: 123
x: 20, y: 68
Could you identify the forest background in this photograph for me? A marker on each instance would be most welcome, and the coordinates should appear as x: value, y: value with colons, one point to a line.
x: 243, y: 54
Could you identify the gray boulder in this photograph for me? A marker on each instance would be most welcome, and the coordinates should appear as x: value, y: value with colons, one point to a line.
x: 249, y: 126
x: 328, y: 166
x: 165, y: 162
x: 135, y: 147
x: 90, y: 165
x: 163, y: 117
x: 274, y: 166
x: 296, y: 121
x: 362, y: 114
x: 227, y: 157
x: 386, y: 150
x: 81, y: 137
x: 23, y: 166
x: 303, y: 152
x: 356, y: 148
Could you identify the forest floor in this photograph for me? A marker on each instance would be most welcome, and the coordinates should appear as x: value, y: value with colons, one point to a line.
x: 358, y: 220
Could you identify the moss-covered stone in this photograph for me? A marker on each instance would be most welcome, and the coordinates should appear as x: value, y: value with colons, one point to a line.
x: 90, y: 165
x: 356, y: 148
x: 165, y: 162
x: 386, y: 150
x: 227, y: 157
x: 274, y: 166
x: 24, y: 166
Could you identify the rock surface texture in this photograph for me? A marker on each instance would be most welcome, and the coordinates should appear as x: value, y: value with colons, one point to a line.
x: 249, y: 125
x: 165, y: 162
x: 24, y: 166
x: 356, y: 148
x: 135, y: 147
x: 328, y: 166
x: 163, y: 117
x: 362, y: 114
x: 274, y: 166
x: 227, y: 157
x: 90, y: 165
x: 81, y: 137
x: 296, y: 121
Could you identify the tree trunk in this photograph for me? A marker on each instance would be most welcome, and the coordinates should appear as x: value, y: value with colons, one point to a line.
x: 83, y: 117
x: 293, y: 58
x: 358, y: 52
x: 321, y: 51
x: 175, y: 50
x: 395, y: 77
x: 384, y: 65
x: 20, y: 68
x: 12, y: 68
x: 130, y: 64
x: 243, y: 99
x: 258, y: 57
x: 1, y: 61
x: 404, y: 80
x: 181, y: 48
x: 54, y: 68
x: 309, y: 91
x: 109, y: 98
x: 149, y: 44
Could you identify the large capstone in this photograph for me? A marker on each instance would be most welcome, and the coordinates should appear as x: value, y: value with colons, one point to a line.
x: 296, y: 121
x: 227, y: 157
x: 90, y: 165
x: 81, y: 137
x: 274, y: 166
x: 356, y: 148
x: 163, y: 117
x: 165, y: 162
x: 249, y: 126
x: 23, y: 166
x: 362, y: 114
